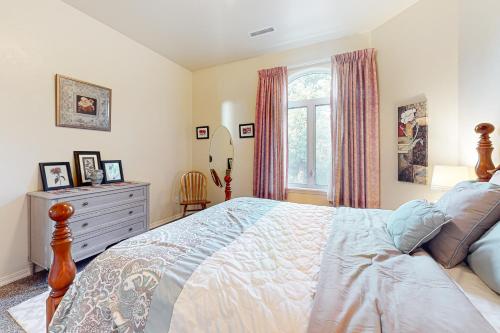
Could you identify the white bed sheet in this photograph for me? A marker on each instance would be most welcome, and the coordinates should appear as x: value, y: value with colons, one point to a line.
x: 481, y: 296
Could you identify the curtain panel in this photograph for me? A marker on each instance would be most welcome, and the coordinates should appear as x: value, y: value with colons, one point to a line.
x: 270, y: 162
x: 355, y: 178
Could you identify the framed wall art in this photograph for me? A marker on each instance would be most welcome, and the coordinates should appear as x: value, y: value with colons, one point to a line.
x: 413, y: 143
x: 82, y: 105
x: 86, y: 162
x: 56, y: 175
x: 113, y: 172
x: 202, y: 132
x: 247, y: 131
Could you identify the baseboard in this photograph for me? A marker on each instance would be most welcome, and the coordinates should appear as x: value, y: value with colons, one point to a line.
x: 161, y: 222
x: 5, y: 280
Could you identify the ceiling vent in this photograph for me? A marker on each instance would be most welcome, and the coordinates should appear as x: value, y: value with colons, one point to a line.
x: 261, y: 32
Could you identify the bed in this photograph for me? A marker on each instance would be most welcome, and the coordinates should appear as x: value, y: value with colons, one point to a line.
x: 255, y: 265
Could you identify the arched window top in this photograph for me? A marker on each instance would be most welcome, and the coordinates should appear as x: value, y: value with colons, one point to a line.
x: 309, y: 85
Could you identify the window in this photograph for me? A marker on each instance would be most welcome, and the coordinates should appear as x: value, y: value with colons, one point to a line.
x: 309, y: 144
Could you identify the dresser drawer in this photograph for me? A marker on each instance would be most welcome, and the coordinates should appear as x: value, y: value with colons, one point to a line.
x: 98, y: 220
x: 83, y: 247
x: 87, y: 203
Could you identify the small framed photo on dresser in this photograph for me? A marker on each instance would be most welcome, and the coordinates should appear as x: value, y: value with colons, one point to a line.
x: 113, y: 172
x: 247, y: 131
x: 56, y: 175
x: 86, y: 163
x: 202, y: 132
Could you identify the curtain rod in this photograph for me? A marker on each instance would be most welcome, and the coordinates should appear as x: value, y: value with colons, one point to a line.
x: 310, y: 63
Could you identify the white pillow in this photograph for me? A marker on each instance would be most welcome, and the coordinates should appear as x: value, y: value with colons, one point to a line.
x: 495, y: 179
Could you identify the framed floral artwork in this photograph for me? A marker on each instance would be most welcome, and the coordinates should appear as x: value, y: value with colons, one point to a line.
x: 84, y: 105
x: 247, y: 130
x: 413, y: 143
x: 86, y: 162
x: 113, y: 172
x: 202, y: 132
x: 56, y: 175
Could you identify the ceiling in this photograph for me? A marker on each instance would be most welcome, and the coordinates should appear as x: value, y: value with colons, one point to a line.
x: 202, y: 33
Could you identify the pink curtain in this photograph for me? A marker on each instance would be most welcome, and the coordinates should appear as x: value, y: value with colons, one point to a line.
x: 269, y: 176
x: 355, y: 179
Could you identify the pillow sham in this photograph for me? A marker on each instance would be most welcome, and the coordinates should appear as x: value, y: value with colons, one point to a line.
x: 415, y: 223
x: 484, y: 258
x: 474, y: 207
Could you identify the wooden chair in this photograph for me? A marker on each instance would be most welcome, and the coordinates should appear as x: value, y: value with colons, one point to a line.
x: 193, y: 191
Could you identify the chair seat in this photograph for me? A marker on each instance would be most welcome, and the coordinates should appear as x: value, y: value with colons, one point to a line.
x: 195, y: 202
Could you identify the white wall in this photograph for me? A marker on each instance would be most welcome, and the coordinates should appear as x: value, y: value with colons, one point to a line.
x: 479, y: 74
x: 151, y: 111
x: 418, y: 59
x: 444, y: 51
x: 226, y: 95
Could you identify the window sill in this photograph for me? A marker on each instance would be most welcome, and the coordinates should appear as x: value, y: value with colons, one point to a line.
x: 308, y: 191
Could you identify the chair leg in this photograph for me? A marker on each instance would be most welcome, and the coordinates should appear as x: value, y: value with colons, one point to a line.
x: 184, y: 211
x: 203, y: 206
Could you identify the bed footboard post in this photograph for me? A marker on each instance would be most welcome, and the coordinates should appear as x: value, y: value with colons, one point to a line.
x: 63, y: 269
x: 484, y: 150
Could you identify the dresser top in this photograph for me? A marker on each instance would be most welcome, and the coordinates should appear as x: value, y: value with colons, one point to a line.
x: 85, y: 190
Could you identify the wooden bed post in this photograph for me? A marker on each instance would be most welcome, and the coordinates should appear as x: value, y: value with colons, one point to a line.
x: 63, y: 269
x: 484, y: 150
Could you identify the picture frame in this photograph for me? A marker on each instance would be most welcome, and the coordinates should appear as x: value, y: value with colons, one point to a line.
x: 56, y: 175
x: 413, y: 142
x: 82, y: 105
x: 202, y: 132
x: 113, y: 171
x: 247, y: 130
x: 85, y: 162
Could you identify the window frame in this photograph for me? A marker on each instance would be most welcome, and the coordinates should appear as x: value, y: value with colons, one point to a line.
x: 310, y: 105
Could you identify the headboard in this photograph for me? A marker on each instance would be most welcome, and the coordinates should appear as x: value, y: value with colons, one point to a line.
x: 485, y: 167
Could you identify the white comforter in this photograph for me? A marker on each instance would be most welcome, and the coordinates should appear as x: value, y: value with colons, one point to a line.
x: 262, y: 282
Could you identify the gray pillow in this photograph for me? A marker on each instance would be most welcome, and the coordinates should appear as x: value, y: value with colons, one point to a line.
x: 474, y: 207
x: 415, y: 223
x: 495, y: 179
x: 484, y: 258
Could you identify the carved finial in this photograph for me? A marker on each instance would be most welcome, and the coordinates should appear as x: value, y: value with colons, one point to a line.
x: 484, y: 150
x: 485, y: 129
x: 63, y: 270
x: 61, y: 212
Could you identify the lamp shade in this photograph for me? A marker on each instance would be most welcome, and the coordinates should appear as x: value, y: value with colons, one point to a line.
x: 445, y: 177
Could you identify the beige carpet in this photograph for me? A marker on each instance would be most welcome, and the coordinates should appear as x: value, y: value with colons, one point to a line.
x: 16, y: 293
x: 26, y: 290
x: 30, y: 314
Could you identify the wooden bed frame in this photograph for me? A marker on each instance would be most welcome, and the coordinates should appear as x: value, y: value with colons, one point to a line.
x: 63, y: 269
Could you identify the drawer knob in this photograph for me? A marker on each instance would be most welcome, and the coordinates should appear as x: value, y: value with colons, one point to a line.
x: 131, y: 195
x: 85, y: 225
x: 84, y: 245
x: 131, y: 212
x: 85, y: 204
x: 130, y: 229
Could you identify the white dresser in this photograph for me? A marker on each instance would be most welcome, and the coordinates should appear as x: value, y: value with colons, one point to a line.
x: 104, y: 215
